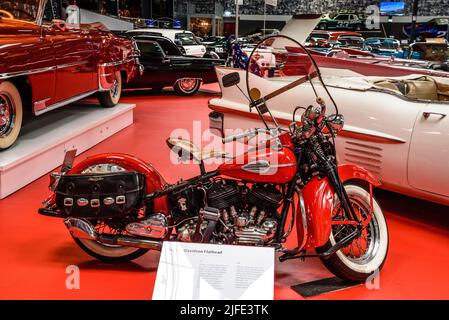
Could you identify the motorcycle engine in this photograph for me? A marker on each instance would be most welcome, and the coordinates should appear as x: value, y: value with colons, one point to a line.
x: 246, y: 215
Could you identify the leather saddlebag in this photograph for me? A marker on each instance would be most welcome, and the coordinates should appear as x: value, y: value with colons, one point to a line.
x: 100, y: 195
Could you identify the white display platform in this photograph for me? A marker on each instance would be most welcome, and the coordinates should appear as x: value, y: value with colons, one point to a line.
x: 45, y: 139
x: 197, y: 271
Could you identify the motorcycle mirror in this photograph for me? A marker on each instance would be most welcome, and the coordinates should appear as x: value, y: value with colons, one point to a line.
x: 231, y: 79
x: 336, y: 122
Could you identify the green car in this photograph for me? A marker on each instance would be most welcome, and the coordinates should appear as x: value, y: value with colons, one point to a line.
x: 342, y: 21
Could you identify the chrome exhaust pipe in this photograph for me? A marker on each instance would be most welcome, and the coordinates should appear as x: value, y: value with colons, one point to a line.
x: 83, y: 229
x: 130, y: 242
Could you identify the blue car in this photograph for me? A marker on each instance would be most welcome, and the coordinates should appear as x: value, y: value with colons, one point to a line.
x: 434, y: 28
x: 389, y: 47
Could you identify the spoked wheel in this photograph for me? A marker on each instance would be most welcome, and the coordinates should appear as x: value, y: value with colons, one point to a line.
x: 11, y: 114
x: 110, y: 98
x: 102, y: 251
x: 366, y: 254
x: 187, y: 86
x: 106, y: 252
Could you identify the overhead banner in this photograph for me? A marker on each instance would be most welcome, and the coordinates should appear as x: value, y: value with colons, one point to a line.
x: 195, y: 271
x: 273, y: 3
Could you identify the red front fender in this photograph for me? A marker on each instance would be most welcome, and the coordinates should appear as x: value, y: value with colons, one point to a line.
x: 351, y: 172
x: 318, y: 196
x: 154, y: 180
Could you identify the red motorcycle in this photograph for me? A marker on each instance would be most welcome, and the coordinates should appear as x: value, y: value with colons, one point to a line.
x: 118, y: 207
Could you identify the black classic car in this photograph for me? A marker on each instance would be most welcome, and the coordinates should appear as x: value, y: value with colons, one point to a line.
x: 166, y: 66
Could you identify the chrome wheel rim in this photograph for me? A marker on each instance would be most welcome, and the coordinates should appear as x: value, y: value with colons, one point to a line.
x: 115, y: 89
x: 365, y: 248
x: 187, y: 84
x: 7, y: 114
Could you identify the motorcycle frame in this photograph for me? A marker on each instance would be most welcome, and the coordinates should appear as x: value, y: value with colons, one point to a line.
x: 158, y: 190
x: 335, y: 177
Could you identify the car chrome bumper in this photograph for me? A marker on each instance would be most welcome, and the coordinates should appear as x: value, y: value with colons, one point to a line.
x: 141, y: 69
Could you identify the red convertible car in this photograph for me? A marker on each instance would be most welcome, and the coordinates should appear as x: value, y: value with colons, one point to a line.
x: 46, y: 64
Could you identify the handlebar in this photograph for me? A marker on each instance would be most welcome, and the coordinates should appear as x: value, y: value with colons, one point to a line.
x: 247, y: 134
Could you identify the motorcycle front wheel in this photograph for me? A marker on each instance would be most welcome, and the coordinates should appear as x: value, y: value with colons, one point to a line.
x: 365, y: 255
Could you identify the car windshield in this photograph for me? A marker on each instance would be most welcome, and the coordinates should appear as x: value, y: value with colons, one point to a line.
x: 187, y: 39
x: 221, y: 42
x: 212, y: 39
x: 351, y: 41
x: 383, y: 43
x: 318, y: 36
x: 21, y: 10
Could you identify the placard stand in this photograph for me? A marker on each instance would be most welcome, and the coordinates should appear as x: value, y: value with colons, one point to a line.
x: 191, y: 271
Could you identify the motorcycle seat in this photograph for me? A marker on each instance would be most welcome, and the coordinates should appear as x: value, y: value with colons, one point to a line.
x: 186, y: 149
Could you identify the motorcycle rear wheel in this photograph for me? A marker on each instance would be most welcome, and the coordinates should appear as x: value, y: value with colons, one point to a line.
x: 109, y: 253
x: 101, y: 251
x: 365, y: 255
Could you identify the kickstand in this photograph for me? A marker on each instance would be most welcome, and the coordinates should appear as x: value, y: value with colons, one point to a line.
x: 293, y: 254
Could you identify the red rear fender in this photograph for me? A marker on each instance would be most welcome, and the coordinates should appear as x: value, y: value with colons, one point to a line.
x: 154, y: 180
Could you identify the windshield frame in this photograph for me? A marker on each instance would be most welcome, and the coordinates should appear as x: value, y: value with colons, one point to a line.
x: 38, y: 19
x: 194, y: 38
x: 40, y: 12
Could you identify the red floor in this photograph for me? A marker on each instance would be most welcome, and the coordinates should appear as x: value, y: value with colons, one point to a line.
x: 36, y: 250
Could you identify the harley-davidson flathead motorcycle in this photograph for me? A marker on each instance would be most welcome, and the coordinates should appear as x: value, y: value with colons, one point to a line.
x: 118, y: 207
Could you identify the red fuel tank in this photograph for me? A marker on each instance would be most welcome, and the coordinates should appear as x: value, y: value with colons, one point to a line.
x: 264, y: 165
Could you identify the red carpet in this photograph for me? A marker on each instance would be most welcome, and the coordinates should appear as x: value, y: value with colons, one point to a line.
x: 36, y: 250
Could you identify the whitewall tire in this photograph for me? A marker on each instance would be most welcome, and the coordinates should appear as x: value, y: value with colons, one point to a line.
x: 109, y: 253
x: 365, y: 255
x: 187, y: 86
x: 110, y: 98
x: 11, y: 114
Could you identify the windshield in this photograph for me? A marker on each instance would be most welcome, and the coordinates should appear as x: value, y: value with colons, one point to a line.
x: 318, y: 36
x: 351, y: 42
x: 187, y: 39
x: 382, y: 43
x: 23, y: 10
x: 274, y: 65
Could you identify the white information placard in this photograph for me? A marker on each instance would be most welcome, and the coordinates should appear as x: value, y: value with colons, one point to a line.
x: 192, y: 271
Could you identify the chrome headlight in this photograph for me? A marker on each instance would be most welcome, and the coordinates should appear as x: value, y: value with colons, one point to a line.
x: 311, y: 114
x: 336, y: 122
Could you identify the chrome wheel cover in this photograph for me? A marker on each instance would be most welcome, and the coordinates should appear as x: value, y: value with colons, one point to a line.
x: 7, y: 114
x: 115, y: 91
x: 187, y: 85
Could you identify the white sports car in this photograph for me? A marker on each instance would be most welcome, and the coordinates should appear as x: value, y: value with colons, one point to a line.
x: 396, y: 127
